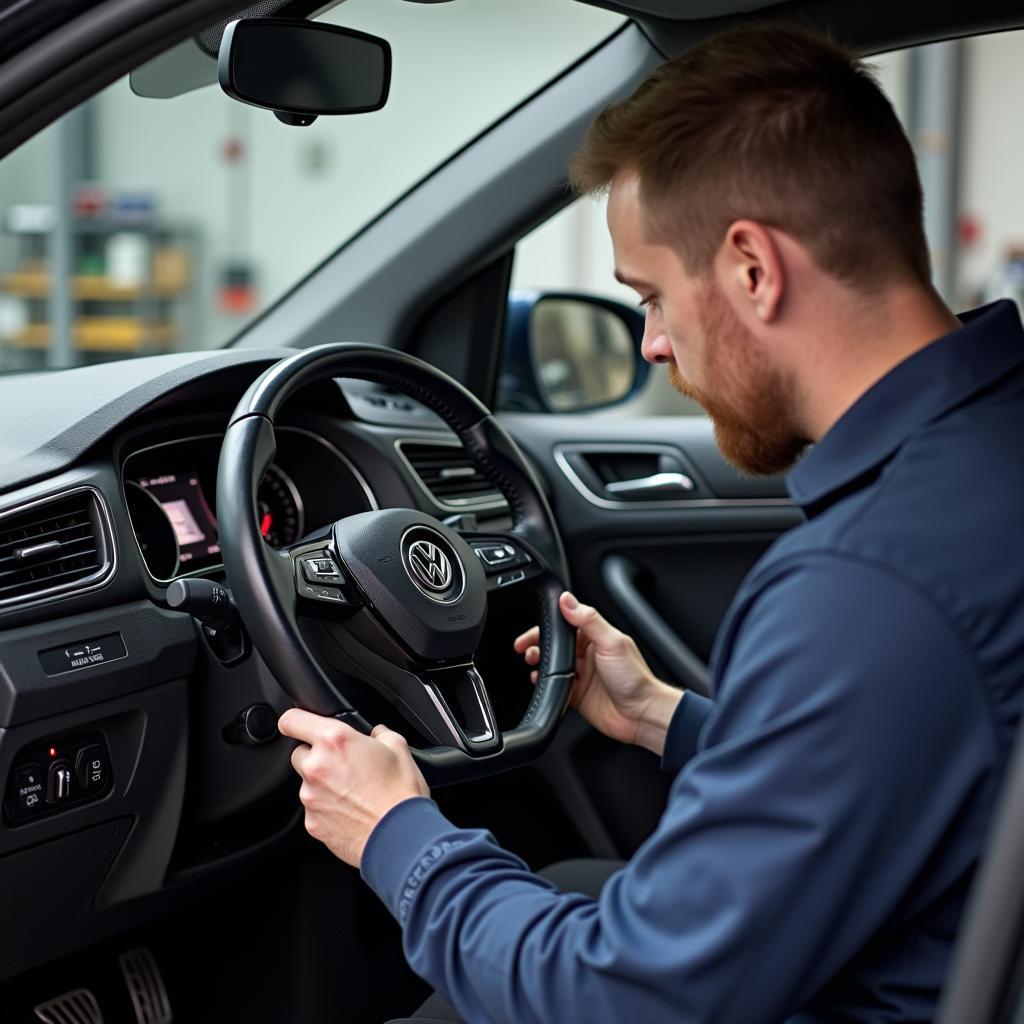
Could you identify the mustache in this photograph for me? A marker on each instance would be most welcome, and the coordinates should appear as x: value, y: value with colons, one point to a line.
x: 683, y: 386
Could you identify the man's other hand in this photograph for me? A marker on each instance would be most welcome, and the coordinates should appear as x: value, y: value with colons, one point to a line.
x: 349, y: 781
x: 614, y: 689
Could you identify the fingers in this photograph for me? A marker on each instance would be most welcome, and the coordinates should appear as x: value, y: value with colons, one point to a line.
x: 526, y: 640
x: 591, y: 624
x: 305, y: 726
x: 392, y: 740
x: 299, y: 756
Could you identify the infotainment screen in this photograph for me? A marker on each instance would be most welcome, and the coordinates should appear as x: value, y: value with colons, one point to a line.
x: 181, y: 497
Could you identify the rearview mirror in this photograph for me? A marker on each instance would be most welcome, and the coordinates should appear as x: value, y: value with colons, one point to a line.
x: 302, y: 69
x: 570, y: 353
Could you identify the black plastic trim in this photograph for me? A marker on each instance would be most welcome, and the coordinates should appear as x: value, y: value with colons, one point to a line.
x: 619, y: 574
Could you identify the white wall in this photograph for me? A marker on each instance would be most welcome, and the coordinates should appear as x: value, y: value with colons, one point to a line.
x: 992, y: 156
x: 25, y: 177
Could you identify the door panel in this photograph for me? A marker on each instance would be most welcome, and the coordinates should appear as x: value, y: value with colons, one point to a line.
x: 662, y: 563
x: 684, y: 553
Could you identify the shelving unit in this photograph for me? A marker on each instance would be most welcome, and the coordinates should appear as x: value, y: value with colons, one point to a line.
x: 104, y: 316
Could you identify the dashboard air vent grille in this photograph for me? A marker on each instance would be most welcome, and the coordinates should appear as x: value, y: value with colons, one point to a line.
x: 450, y: 475
x: 52, y: 546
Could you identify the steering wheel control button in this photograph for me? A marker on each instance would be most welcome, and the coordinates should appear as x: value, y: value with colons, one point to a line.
x: 28, y: 788
x: 82, y: 654
x: 506, y: 579
x: 318, y: 569
x: 499, y: 554
x: 496, y: 555
x: 91, y: 768
x: 58, y: 787
x: 314, y: 592
x: 432, y: 565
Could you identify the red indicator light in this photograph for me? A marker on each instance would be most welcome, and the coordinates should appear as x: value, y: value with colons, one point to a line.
x: 53, y: 751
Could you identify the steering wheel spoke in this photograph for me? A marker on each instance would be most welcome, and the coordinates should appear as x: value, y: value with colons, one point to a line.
x: 451, y: 708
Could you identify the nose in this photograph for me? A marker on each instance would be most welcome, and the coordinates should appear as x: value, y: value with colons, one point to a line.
x: 655, y: 347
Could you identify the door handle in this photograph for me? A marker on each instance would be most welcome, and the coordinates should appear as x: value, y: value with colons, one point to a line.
x: 658, y: 485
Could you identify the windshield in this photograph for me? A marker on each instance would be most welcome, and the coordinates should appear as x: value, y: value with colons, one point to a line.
x: 137, y: 225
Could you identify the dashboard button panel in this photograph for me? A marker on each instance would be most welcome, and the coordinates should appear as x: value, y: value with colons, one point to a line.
x: 49, y: 777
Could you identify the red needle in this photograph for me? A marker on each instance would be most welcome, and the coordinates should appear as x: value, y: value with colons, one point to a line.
x: 265, y: 524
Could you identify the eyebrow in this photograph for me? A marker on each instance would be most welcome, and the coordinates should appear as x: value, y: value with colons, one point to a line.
x: 632, y: 282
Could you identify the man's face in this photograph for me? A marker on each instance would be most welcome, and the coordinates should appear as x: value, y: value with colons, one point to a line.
x: 712, y: 357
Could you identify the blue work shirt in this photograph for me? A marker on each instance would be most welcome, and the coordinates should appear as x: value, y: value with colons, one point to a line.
x: 830, y: 806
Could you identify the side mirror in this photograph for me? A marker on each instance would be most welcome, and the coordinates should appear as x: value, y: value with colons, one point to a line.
x: 301, y: 69
x: 570, y: 353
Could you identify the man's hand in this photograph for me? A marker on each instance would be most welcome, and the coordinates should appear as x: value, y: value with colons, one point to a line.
x: 349, y: 781
x: 614, y: 689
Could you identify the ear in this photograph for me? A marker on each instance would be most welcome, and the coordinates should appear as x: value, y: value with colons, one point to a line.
x: 754, y: 269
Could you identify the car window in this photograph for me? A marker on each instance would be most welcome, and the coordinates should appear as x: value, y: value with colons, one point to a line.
x: 955, y: 100
x: 138, y: 225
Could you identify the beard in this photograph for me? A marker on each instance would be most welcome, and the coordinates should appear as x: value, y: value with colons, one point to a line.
x: 749, y: 402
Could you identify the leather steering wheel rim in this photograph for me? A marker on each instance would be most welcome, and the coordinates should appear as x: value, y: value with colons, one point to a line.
x: 256, y: 572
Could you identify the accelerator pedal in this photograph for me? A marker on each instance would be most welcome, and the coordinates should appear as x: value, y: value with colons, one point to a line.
x: 146, y: 987
x: 76, y: 1007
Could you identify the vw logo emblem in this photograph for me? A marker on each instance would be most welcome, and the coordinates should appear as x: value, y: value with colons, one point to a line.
x: 430, y: 565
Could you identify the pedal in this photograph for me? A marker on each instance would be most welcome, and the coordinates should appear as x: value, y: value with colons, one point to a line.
x: 146, y: 987
x: 77, y: 1007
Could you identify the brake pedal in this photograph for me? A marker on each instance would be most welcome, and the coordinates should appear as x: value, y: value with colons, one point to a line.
x: 146, y: 987
x: 77, y: 1007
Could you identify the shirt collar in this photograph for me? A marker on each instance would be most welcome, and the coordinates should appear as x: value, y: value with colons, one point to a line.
x: 921, y: 388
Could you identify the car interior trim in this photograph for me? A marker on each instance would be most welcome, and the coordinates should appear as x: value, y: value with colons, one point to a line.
x: 364, y: 486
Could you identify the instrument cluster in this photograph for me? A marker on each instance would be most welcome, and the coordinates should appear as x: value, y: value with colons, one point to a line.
x: 171, y: 489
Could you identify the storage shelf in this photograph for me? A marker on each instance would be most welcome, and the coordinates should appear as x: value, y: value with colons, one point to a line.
x: 100, y: 334
x: 155, y: 307
x: 87, y: 288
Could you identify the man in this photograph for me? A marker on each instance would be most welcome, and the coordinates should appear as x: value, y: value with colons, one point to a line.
x: 831, y: 805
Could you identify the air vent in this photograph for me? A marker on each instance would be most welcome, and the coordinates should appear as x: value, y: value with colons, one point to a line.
x: 450, y: 476
x: 52, y: 547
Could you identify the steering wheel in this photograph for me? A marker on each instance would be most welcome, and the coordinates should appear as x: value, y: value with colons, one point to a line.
x: 394, y: 597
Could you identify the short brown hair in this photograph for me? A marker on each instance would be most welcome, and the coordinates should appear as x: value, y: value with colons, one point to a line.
x: 776, y: 124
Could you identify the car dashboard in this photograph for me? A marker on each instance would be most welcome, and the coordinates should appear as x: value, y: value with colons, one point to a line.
x: 138, y: 753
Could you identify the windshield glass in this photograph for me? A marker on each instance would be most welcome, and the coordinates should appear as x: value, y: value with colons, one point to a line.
x: 137, y: 225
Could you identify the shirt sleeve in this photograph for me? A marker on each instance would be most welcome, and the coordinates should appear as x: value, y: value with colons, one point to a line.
x: 830, y: 774
x: 684, y: 730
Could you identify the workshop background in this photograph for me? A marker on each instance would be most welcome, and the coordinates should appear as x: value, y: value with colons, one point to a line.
x: 110, y: 248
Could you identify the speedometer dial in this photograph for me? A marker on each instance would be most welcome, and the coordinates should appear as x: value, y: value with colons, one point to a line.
x: 279, y: 509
